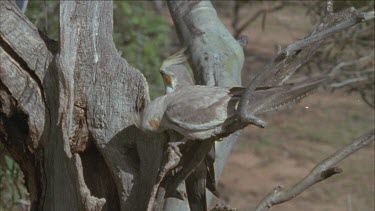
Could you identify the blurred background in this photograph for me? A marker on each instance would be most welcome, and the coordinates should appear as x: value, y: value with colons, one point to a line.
x: 296, y: 138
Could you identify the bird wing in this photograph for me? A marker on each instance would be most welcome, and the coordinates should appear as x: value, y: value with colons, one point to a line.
x: 201, y: 108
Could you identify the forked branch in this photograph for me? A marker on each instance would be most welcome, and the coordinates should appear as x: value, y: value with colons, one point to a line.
x: 248, y: 22
x: 322, y: 171
x: 288, y: 60
x: 357, y: 18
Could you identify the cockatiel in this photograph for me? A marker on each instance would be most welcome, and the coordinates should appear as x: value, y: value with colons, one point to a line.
x: 176, y: 76
x: 202, y: 113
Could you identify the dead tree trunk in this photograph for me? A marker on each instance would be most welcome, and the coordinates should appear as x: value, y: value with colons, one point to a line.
x: 66, y: 113
x: 66, y: 109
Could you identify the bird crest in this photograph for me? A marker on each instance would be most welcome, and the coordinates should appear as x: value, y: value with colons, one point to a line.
x: 177, y: 58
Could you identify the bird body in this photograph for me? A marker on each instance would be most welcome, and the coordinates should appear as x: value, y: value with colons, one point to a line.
x: 201, y: 112
x: 176, y: 76
x: 197, y: 112
x: 207, y: 113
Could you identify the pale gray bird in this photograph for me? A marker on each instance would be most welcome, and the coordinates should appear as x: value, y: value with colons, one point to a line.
x: 175, y: 75
x: 202, y: 112
x: 210, y: 113
x: 206, y: 113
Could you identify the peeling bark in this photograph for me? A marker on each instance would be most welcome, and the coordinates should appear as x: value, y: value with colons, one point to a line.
x: 74, y: 109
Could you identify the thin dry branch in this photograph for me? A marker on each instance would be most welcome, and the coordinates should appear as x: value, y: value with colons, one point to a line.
x: 280, y: 61
x: 357, y: 18
x: 261, y: 12
x: 329, y: 7
x: 348, y: 82
x: 335, y: 70
x: 322, y: 171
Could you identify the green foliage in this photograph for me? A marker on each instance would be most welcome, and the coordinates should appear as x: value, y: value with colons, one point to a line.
x: 45, y: 15
x: 142, y: 37
x: 12, y: 190
x: 139, y: 33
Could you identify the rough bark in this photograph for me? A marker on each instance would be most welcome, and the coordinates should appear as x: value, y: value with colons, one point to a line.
x: 61, y: 111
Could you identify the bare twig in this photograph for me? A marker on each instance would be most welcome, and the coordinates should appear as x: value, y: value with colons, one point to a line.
x: 322, y: 171
x: 264, y: 11
x: 362, y: 72
x: 340, y: 65
x: 347, y: 82
x: 365, y: 97
x: 329, y: 8
x: 358, y: 18
x: 293, y: 50
x: 236, y: 15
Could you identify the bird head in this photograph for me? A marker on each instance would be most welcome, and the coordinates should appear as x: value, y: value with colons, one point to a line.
x: 175, y: 73
x: 149, y: 119
x: 169, y: 80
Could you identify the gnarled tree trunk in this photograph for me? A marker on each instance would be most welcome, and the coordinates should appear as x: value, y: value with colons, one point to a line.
x: 66, y: 108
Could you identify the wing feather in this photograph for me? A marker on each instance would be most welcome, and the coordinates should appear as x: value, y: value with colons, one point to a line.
x: 196, y: 108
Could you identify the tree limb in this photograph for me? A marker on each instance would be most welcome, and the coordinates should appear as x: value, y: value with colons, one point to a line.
x: 320, y: 172
x: 288, y: 60
x: 92, y: 67
x: 335, y: 70
x: 239, y: 30
x: 357, y: 18
x: 27, y: 94
x: 216, y: 59
x: 347, y: 82
x: 23, y: 38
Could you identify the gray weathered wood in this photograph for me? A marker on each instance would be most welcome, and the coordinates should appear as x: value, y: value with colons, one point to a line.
x: 23, y: 38
x: 84, y: 94
x: 105, y: 87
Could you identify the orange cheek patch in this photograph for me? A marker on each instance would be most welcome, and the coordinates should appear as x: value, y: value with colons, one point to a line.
x: 154, y: 123
x: 168, y: 79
